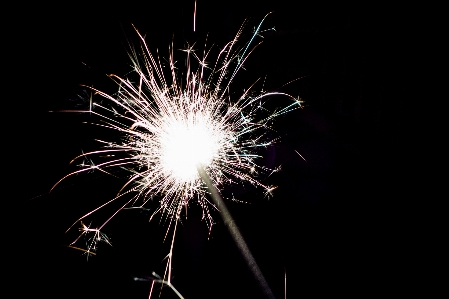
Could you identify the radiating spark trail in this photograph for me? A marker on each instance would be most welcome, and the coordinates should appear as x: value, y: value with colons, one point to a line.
x: 194, y: 17
x: 301, y: 156
x: 285, y: 283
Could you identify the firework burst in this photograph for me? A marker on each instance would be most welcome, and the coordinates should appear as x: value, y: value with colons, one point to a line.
x: 173, y: 122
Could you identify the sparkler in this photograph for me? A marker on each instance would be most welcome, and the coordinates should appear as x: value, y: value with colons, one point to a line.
x: 171, y: 125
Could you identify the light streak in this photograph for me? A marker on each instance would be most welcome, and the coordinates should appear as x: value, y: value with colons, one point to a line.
x: 194, y: 17
x: 285, y: 283
x: 301, y: 156
x: 169, y: 124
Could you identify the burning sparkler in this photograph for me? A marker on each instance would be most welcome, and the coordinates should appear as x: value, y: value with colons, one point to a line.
x: 170, y: 126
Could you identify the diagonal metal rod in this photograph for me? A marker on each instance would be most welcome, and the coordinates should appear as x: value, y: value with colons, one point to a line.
x: 235, y: 233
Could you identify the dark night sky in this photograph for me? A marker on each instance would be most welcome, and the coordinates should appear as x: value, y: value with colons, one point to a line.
x: 336, y: 222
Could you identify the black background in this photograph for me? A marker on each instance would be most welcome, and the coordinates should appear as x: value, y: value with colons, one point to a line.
x: 338, y: 224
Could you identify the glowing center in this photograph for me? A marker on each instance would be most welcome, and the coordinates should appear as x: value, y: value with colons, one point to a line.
x: 185, y: 145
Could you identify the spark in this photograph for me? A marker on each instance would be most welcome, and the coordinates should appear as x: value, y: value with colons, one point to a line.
x: 93, y: 237
x: 172, y: 121
x: 170, y: 125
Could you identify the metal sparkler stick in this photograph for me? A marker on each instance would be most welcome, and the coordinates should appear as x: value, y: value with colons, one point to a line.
x: 235, y: 233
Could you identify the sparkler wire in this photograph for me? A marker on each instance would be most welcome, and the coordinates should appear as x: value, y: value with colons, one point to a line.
x: 235, y: 233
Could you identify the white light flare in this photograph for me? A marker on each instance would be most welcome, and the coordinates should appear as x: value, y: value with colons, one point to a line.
x: 187, y: 143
